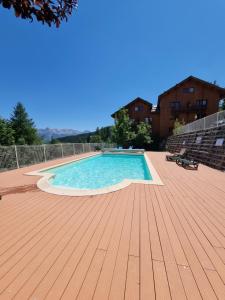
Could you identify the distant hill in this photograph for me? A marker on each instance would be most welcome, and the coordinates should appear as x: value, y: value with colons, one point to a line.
x: 78, y: 138
x: 104, y: 132
x: 48, y: 134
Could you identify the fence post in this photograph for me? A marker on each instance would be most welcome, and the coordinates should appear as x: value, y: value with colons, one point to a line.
x: 204, y: 123
x: 17, y: 162
x: 44, y: 148
x: 74, y: 152
x: 217, y: 119
x: 62, y: 149
x: 83, y: 147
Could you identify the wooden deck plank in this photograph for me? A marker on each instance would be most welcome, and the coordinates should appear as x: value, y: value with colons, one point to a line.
x: 175, y: 283
x: 193, y: 258
x: 67, y: 270
x: 221, y: 253
x: 205, y: 244
x: 203, y: 218
x: 76, y: 281
x: 217, y: 284
x: 133, y: 279
x: 147, y: 288
x: 202, y: 256
x: 26, y: 223
x: 30, y: 262
x: 106, y: 237
x: 134, y: 239
x: 104, y: 283
x: 88, y: 288
x: 59, y: 258
x: 141, y: 242
x: 153, y: 229
x: 161, y: 283
x: 16, y: 254
x: 14, y: 246
x: 174, y: 240
x: 118, y: 283
x: 45, y: 259
x: 189, y: 282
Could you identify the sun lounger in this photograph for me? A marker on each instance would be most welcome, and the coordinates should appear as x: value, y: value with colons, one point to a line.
x: 175, y: 156
x: 187, y: 163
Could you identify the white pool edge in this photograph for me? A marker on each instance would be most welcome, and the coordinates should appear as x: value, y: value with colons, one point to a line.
x: 44, y: 185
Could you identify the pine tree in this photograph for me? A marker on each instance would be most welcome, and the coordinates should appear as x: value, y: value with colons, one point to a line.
x: 95, y: 139
x: 25, y: 131
x: 6, y: 133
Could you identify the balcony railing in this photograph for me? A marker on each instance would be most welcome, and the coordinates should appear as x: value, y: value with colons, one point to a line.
x: 211, y: 121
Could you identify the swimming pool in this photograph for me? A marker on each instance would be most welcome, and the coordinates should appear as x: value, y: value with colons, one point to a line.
x: 97, y: 174
x: 100, y: 171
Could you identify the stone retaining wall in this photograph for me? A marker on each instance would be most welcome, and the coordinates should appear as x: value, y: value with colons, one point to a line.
x: 207, y: 146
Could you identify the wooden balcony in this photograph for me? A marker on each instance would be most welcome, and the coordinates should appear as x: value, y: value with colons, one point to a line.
x: 188, y: 108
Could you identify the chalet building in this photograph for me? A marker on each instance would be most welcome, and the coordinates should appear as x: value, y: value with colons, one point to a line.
x: 187, y: 101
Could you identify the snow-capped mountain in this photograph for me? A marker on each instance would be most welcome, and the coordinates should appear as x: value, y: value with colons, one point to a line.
x: 53, y: 133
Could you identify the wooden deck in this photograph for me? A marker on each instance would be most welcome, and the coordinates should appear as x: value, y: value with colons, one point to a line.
x: 142, y: 242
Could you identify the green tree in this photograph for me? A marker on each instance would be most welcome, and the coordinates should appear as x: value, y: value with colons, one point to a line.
x: 95, y: 139
x: 6, y: 133
x: 122, y: 133
x: 54, y: 141
x: 106, y: 134
x: 177, y: 126
x: 143, y: 135
x: 23, y: 126
x: 97, y: 131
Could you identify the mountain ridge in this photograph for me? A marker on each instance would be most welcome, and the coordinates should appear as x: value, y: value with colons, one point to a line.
x: 47, y: 134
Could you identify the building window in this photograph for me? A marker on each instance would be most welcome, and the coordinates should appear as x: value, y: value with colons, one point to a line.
x: 189, y: 90
x: 139, y: 108
x: 201, y: 103
x: 175, y: 105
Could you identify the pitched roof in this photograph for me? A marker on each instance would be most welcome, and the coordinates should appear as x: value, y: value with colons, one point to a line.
x: 212, y: 85
x: 133, y: 101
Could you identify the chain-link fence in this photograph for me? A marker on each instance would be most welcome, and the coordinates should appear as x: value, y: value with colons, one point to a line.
x: 211, y: 121
x: 12, y: 157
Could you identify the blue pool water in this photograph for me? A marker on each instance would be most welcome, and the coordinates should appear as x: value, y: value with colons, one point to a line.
x: 100, y: 171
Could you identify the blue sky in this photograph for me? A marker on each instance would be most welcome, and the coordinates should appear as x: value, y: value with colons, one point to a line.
x: 108, y: 53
